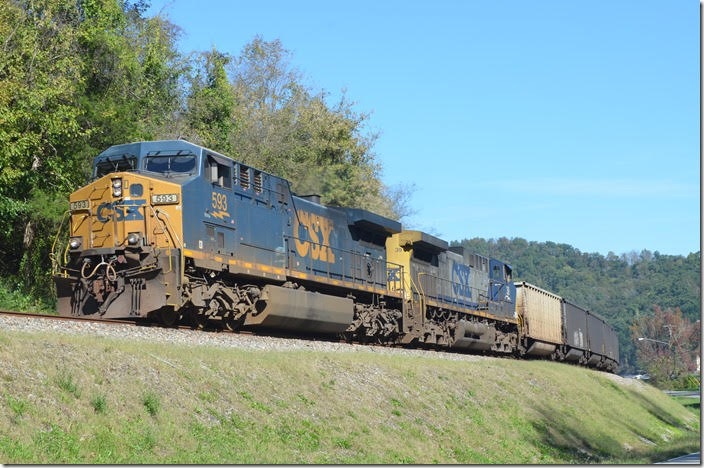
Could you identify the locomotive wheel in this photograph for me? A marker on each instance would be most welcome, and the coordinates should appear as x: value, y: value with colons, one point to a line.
x: 233, y: 324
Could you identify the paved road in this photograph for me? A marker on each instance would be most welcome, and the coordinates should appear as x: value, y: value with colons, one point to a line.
x: 691, y: 459
x: 683, y: 393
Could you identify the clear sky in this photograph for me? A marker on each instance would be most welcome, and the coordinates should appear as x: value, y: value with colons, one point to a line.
x: 575, y: 122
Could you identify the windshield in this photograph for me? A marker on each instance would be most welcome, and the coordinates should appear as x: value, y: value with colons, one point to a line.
x: 115, y: 165
x: 171, y: 164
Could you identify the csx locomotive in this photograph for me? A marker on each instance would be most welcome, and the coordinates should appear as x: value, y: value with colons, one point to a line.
x: 171, y: 231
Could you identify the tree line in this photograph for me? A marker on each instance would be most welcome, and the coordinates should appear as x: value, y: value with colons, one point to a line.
x: 622, y: 289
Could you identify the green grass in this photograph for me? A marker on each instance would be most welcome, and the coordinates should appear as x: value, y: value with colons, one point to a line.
x: 214, y: 405
x: 692, y: 404
x: 18, y: 406
x: 99, y: 403
x: 65, y: 382
x: 13, y: 298
x: 151, y: 403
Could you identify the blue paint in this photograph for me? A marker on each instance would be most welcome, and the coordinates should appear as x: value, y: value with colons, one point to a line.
x: 460, y: 280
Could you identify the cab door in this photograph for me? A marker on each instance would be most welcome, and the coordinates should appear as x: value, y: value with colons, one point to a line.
x: 497, y: 280
x: 502, y: 289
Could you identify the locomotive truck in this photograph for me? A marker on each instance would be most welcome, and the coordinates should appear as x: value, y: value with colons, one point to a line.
x: 172, y: 231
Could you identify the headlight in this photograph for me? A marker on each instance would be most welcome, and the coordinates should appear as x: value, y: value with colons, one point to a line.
x: 133, y: 238
x: 75, y: 242
x: 116, y: 187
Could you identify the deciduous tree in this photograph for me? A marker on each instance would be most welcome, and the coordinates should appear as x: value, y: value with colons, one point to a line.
x: 667, y: 343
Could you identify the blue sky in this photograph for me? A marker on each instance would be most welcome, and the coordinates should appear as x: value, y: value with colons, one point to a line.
x: 575, y: 122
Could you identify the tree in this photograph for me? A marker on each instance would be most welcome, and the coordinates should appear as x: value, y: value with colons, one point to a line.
x: 211, y: 104
x: 667, y: 344
x: 256, y: 108
x: 75, y: 78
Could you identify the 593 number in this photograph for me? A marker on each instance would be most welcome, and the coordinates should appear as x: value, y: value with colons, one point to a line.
x: 219, y: 201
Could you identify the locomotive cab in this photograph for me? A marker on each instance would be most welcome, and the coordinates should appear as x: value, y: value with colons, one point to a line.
x: 124, y: 252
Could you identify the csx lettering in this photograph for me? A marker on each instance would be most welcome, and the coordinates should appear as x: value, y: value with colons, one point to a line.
x: 124, y: 210
x: 316, y: 228
x: 460, y: 280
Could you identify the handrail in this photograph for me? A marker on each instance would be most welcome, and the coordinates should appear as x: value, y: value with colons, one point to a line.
x: 478, y: 292
x: 170, y: 229
x: 55, y: 264
x: 423, y: 300
x: 336, y: 248
x: 168, y: 220
x: 380, y: 275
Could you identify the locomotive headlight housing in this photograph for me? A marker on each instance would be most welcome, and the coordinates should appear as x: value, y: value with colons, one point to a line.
x: 116, y: 187
x: 75, y: 242
x: 133, y: 238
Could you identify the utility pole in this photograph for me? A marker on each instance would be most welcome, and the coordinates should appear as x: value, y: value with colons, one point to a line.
x: 673, y: 353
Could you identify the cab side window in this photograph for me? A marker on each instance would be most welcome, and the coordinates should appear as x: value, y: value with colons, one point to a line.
x: 218, y: 173
x: 496, y: 273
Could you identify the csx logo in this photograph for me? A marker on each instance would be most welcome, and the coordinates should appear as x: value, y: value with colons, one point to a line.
x: 124, y: 210
x: 460, y: 280
x: 316, y: 228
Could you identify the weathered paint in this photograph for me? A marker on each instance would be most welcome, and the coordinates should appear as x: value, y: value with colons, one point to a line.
x: 540, y: 312
x: 107, y: 220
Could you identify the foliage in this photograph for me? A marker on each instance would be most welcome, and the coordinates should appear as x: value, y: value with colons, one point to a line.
x: 66, y: 382
x: 256, y: 108
x: 17, y: 405
x: 619, y: 288
x: 99, y: 403
x: 686, y: 382
x: 75, y: 77
x: 151, y: 403
x: 667, y: 344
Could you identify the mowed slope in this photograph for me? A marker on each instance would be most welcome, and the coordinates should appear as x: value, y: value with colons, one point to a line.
x: 78, y: 399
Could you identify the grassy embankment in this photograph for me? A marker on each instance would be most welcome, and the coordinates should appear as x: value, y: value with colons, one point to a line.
x: 78, y: 399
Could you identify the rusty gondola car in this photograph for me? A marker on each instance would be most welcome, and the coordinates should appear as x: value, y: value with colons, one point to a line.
x: 169, y: 230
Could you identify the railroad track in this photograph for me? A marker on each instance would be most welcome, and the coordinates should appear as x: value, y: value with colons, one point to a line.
x: 61, y: 317
x: 137, y: 322
x: 264, y: 333
x: 155, y: 324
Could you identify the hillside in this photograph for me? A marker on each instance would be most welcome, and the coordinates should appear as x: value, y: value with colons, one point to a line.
x: 94, y: 399
x: 619, y: 288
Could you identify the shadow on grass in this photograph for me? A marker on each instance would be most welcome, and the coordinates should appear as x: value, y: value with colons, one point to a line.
x: 656, y: 410
x: 566, y: 440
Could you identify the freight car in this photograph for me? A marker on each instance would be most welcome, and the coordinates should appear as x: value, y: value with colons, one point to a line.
x: 171, y: 231
x: 553, y: 326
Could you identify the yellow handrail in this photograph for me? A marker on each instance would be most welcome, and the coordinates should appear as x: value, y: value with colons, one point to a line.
x: 173, y: 235
x: 54, y: 262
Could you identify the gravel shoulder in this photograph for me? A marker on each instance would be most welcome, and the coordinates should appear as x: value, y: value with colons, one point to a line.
x: 207, y: 338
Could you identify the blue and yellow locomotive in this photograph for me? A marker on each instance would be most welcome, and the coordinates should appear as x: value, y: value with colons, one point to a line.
x: 172, y: 230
